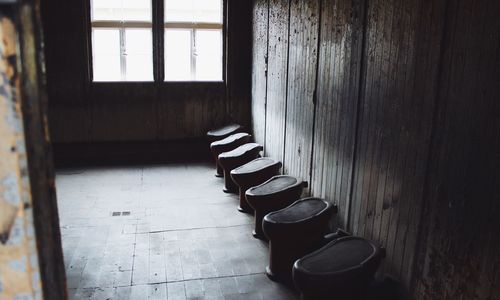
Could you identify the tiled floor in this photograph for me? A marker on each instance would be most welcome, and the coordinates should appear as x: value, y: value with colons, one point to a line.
x: 183, y: 239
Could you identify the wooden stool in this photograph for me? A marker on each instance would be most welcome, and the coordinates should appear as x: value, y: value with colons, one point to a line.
x: 223, y: 132
x: 294, y: 232
x: 251, y: 174
x: 232, y: 159
x: 274, y: 194
x: 230, y: 143
x: 343, y: 269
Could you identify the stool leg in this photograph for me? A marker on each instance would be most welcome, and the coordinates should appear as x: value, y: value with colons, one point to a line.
x: 258, y: 233
x: 229, y: 185
x: 244, y: 206
x: 280, y: 262
x: 220, y: 171
x: 283, y: 254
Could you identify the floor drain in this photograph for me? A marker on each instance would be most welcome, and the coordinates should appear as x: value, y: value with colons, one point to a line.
x: 120, y: 213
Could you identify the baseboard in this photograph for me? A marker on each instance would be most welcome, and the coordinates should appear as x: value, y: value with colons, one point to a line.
x: 97, y: 154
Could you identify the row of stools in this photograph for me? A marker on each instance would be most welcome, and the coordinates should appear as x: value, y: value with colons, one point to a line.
x: 303, y: 252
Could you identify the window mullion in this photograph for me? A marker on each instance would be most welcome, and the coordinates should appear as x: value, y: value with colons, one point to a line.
x: 158, y: 40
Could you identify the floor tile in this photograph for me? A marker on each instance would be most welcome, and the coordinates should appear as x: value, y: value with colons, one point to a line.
x: 181, y: 237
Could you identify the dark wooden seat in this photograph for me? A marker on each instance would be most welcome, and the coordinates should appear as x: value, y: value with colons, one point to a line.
x: 235, y: 158
x: 275, y: 194
x: 251, y: 174
x: 223, y: 132
x: 343, y: 269
x: 227, y: 144
x: 294, y: 232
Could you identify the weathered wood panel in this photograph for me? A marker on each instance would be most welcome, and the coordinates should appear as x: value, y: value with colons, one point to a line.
x: 425, y: 86
x: 259, y: 69
x: 186, y: 111
x: 124, y: 112
x: 394, y: 131
x: 425, y: 160
x: 460, y: 251
x: 70, y: 122
x: 277, y: 69
x: 335, y: 124
x: 302, y: 69
x: 65, y: 52
x: 239, y: 61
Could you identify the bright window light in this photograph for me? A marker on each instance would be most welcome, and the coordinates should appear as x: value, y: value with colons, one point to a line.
x: 122, y: 43
x: 122, y: 40
x: 193, y: 40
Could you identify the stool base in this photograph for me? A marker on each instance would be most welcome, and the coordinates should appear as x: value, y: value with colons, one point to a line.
x: 245, y: 211
x: 227, y: 191
x: 259, y: 236
x: 270, y: 274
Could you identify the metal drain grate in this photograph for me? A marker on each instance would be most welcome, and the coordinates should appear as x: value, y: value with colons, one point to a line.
x: 118, y: 213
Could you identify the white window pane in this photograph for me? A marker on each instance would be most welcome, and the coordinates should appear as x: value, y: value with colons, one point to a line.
x: 137, y: 10
x: 209, y: 11
x: 139, y: 55
x: 139, y: 67
x: 121, y: 10
x: 208, y: 55
x: 106, y: 54
x: 106, y: 10
x: 177, y: 55
x: 139, y: 41
x: 179, y: 10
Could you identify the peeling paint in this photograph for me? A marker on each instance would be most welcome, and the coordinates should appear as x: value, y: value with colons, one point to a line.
x: 23, y: 297
x: 8, y: 215
x: 19, y: 270
x: 11, y: 193
x: 18, y: 265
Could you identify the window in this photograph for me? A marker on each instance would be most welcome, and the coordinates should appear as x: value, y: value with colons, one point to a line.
x: 193, y: 40
x: 123, y: 38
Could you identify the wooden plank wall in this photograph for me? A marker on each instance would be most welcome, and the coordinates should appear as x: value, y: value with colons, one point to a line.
x: 336, y: 105
x: 459, y: 254
x: 260, y: 29
x: 393, y: 133
x: 85, y: 112
x: 238, y: 61
x: 302, y: 69
x: 277, y: 72
x: 399, y: 87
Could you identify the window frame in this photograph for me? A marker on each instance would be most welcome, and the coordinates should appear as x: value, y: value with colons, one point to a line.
x: 158, y: 38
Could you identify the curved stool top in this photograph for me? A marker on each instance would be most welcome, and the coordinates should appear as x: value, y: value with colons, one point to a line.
x: 301, y: 211
x: 223, y: 132
x: 232, y: 139
x: 276, y: 184
x: 256, y: 165
x: 344, y: 266
x: 340, y: 256
x: 240, y: 151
